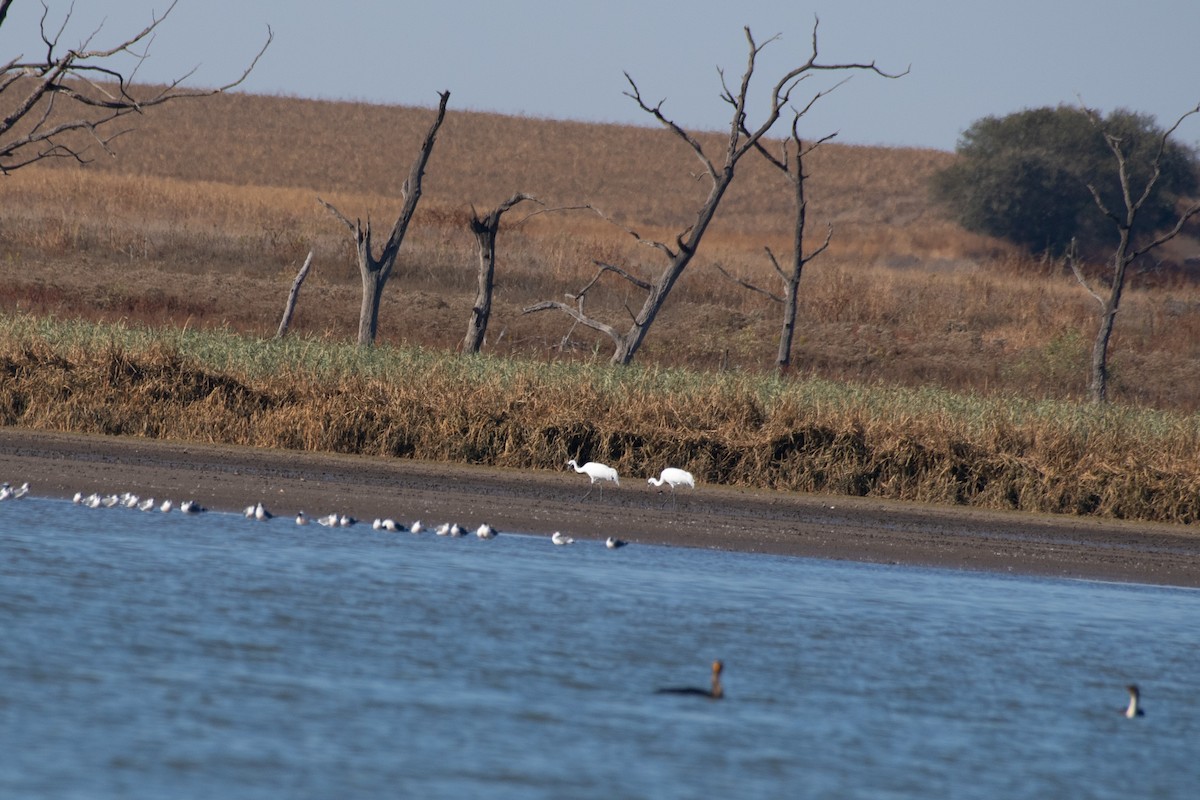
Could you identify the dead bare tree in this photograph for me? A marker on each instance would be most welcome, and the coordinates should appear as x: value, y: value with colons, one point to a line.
x: 376, y: 271
x: 790, y: 161
x: 485, y: 229
x: 1128, y: 249
x: 293, y: 294
x: 719, y: 174
x: 66, y: 102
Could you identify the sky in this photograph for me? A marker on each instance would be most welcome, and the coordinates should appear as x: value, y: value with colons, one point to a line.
x: 562, y: 59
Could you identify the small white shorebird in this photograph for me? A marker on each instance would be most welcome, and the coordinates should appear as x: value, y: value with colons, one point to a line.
x: 596, y: 472
x: 450, y: 529
x: 416, y: 527
x: 1133, y: 709
x: 612, y: 543
x: 485, y: 531
x: 387, y: 524
x: 558, y: 538
x: 257, y: 511
x: 9, y: 492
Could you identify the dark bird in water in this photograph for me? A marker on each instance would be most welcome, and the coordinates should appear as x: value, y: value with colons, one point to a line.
x: 1133, y: 709
x: 715, y: 693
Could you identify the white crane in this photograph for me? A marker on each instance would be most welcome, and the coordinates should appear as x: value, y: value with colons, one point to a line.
x: 596, y: 472
x: 673, y: 476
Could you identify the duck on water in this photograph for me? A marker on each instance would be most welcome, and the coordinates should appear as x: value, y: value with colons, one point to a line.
x: 715, y: 692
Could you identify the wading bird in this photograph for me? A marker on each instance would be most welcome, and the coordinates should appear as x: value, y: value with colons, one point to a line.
x: 715, y: 693
x: 596, y: 472
x: 673, y: 476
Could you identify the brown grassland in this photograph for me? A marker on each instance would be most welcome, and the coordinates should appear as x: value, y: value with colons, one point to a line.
x: 959, y: 364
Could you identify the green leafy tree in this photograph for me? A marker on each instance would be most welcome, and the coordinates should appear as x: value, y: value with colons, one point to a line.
x: 1029, y: 177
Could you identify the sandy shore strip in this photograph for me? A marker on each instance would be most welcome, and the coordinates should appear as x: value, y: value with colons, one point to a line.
x: 540, y: 502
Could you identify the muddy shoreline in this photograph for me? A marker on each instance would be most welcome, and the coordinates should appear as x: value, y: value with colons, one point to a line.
x: 540, y: 502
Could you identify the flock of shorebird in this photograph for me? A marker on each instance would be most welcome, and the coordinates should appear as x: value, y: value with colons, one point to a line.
x: 258, y: 511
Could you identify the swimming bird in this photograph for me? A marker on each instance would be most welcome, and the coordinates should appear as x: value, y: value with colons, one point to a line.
x: 715, y: 693
x: 146, y: 505
x: 10, y: 492
x: 387, y: 524
x: 166, y: 506
x: 558, y: 538
x: 329, y: 520
x: 596, y: 472
x: 612, y: 543
x: 301, y: 518
x: 345, y: 521
x: 416, y: 527
x: 78, y: 498
x: 191, y: 507
x: 257, y: 511
x: 485, y: 531
x: 1134, y: 709
x: 451, y: 529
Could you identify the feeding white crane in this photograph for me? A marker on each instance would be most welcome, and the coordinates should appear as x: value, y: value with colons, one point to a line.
x: 596, y: 472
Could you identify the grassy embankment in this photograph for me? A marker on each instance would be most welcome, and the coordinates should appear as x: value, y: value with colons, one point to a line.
x: 796, y: 434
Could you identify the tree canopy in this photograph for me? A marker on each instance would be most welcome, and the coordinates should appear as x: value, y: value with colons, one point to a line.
x: 1024, y: 177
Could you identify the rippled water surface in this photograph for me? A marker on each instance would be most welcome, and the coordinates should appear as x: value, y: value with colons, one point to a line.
x: 152, y: 656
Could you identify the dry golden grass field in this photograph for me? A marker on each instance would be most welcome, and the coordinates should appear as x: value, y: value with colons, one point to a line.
x: 209, y: 207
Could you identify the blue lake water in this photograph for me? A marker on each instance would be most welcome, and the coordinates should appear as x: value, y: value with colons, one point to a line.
x: 147, y: 655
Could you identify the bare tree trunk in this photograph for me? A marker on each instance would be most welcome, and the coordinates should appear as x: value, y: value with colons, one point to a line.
x: 719, y: 174
x: 293, y: 294
x: 485, y: 230
x: 1126, y: 252
x: 376, y: 271
x: 791, y: 278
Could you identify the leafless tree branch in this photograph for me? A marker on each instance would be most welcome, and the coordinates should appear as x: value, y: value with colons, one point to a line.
x: 34, y: 128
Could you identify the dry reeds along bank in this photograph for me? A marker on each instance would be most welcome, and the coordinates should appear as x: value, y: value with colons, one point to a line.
x: 735, y: 429
x: 209, y: 209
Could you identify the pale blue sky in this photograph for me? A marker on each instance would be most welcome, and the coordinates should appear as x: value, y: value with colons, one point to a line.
x: 564, y: 60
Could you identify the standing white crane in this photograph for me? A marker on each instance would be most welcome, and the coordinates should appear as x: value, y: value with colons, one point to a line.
x: 596, y: 472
